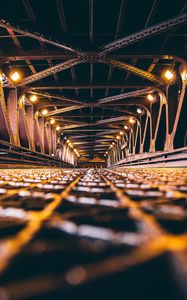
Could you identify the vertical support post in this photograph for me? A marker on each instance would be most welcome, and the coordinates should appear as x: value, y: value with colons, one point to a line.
x: 6, y: 133
x: 12, y: 107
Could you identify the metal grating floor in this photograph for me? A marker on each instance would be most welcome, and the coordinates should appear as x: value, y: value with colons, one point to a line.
x: 110, y: 234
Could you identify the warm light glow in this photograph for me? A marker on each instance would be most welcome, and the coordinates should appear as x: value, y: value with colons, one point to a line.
x: 126, y: 127
x: 139, y: 111
x: 58, y: 128
x: 68, y: 141
x: 44, y: 112
x: 168, y: 74
x: 132, y: 120
x: 52, y: 121
x: 113, y: 143
x: 118, y: 137
x: 15, y: 76
x: 106, y: 152
x: 33, y: 98
x: 121, y: 132
x: 150, y: 97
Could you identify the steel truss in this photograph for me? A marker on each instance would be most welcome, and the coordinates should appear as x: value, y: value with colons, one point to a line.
x: 142, y: 34
x: 22, y: 127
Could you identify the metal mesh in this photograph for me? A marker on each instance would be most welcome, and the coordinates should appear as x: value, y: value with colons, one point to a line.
x: 109, y: 234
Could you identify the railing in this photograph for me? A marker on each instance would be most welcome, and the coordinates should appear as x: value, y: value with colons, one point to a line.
x: 175, y: 158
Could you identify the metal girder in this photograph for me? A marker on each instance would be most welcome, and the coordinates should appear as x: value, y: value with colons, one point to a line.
x: 20, y: 49
x: 109, y: 120
x: 75, y: 137
x: 125, y: 95
x: 132, y: 69
x: 107, y: 131
x: 76, y: 126
x: 62, y: 110
x: 142, y: 34
x: 92, y: 148
x: 63, y: 56
x: 88, y: 116
x: 85, y: 85
x: 61, y: 14
x: 91, y: 34
x: 86, y: 129
x: 50, y: 71
x: 47, y: 95
x: 29, y: 10
x: 93, y: 142
x: 37, y: 36
x: 73, y: 122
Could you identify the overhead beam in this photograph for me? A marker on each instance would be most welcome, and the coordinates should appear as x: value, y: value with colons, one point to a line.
x: 145, y: 33
x: 86, y: 85
x: 29, y: 10
x: 68, y: 128
x: 37, y: 36
x: 129, y: 68
x: 62, y: 110
x: 61, y: 14
x: 86, y: 116
x: 50, y: 71
x: 109, y: 120
x: 20, y: 49
x: 125, y: 95
x: 47, y: 95
x: 91, y: 21
x: 63, y: 56
x: 86, y: 129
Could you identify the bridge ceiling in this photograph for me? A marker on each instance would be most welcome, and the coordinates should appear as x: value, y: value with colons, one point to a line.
x: 92, y: 64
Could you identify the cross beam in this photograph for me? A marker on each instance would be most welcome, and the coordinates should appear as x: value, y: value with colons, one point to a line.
x: 50, y: 71
x: 37, y: 36
x: 125, y: 95
x: 129, y: 68
x: 142, y: 34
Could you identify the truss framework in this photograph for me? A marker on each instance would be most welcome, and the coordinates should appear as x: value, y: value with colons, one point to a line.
x: 152, y: 30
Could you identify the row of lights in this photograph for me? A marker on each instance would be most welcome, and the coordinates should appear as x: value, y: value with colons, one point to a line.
x: 132, y: 120
x: 15, y: 75
x: 118, y: 137
x: 70, y: 144
x: 44, y: 112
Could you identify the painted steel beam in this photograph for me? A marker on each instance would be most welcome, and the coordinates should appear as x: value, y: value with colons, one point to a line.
x: 63, y: 56
x: 37, y: 36
x: 86, y: 129
x: 142, y: 34
x: 69, y: 127
x: 47, y: 95
x: 85, y: 85
x: 125, y: 95
x: 109, y: 120
x: 65, y: 109
x: 20, y: 49
x: 132, y: 69
x: 91, y: 34
x: 50, y: 71
x: 61, y: 14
